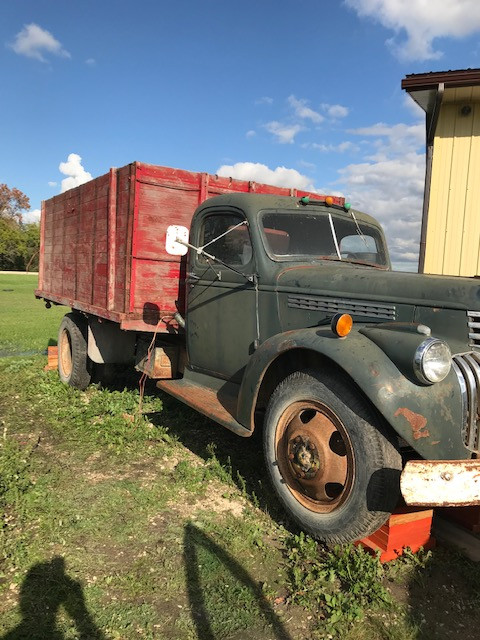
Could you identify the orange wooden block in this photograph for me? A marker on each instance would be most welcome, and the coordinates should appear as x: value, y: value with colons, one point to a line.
x: 52, y: 355
x: 468, y: 517
x: 407, y: 527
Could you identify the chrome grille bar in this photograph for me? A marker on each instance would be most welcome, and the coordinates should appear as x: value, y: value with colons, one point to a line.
x: 467, y: 368
x: 335, y: 305
x: 474, y: 328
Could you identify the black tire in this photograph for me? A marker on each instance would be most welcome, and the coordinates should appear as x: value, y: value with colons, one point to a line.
x: 332, y: 463
x: 73, y: 361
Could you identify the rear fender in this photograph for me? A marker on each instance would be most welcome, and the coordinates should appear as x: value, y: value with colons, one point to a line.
x: 428, y: 418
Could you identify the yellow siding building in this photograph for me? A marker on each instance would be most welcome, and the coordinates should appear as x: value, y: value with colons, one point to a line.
x: 450, y: 237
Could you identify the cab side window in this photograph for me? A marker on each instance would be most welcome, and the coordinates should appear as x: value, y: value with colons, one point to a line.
x: 224, y: 236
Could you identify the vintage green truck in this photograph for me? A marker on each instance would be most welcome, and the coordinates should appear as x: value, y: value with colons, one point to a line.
x: 277, y: 310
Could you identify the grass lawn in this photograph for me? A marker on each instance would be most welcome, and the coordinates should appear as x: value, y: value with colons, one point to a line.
x: 25, y: 324
x: 119, y: 524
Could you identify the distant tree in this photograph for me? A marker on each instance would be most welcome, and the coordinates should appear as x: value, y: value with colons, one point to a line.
x: 12, y: 203
x: 31, y: 251
x: 11, y: 246
x: 19, y: 243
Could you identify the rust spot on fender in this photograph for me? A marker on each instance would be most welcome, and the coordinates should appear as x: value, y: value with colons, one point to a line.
x: 416, y: 421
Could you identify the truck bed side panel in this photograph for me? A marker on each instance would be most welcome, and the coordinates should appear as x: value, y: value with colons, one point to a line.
x: 103, y: 242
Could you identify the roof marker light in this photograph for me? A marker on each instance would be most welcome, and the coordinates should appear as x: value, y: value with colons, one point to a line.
x: 347, y: 206
x: 329, y: 201
x: 305, y: 200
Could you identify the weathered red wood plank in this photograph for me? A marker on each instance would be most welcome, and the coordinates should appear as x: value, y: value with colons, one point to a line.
x: 103, y: 243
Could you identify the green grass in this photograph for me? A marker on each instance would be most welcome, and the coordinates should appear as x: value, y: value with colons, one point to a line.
x: 120, y: 524
x: 25, y: 324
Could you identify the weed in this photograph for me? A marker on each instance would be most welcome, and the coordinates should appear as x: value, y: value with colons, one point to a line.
x: 343, y: 582
x: 409, y: 565
x: 15, y: 481
x: 14, y: 472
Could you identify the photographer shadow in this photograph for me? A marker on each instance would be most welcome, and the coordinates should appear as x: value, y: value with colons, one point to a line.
x: 44, y: 590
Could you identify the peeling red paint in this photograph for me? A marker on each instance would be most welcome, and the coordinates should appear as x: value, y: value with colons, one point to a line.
x: 416, y: 421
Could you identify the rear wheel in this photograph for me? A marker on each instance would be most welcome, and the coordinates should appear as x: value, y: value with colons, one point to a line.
x: 73, y: 361
x: 331, y: 461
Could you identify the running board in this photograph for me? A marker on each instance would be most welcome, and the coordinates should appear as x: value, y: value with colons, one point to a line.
x: 206, y: 401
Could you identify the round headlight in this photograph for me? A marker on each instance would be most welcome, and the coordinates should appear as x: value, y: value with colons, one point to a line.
x: 432, y: 361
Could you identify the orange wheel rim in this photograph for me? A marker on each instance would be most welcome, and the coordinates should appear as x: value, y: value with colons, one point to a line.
x: 65, y: 352
x: 315, y: 456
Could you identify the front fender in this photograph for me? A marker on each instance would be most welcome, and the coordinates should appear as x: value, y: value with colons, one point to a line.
x: 429, y: 418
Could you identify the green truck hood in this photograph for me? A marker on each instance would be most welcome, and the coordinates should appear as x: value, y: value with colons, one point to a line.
x: 348, y: 281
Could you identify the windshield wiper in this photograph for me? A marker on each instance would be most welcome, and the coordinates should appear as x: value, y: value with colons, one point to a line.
x: 334, y: 236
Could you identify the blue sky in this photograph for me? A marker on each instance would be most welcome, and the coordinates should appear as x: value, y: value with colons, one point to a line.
x: 301, y: 93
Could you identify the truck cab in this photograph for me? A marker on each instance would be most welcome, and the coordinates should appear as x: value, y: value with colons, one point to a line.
x: 296, y: 324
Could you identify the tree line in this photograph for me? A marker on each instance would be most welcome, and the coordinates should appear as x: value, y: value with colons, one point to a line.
x: 19, y: 241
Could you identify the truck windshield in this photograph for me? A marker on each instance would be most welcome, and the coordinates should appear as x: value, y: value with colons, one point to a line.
x: 296, y: 236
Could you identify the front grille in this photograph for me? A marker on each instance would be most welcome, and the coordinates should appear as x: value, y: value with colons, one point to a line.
x: 341, y: 305
x: 474, y: 329
x: 467, y: 368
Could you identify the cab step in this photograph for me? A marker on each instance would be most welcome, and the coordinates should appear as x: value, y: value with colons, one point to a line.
x: 219, y: 406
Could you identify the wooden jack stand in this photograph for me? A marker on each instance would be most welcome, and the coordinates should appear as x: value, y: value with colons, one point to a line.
x: 407, y: 527
x: 52, y: 363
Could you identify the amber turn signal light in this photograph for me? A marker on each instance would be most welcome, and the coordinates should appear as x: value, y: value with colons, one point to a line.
x: 342, y: 324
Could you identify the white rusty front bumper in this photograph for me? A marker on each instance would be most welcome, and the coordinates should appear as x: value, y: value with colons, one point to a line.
x: 441, y: 483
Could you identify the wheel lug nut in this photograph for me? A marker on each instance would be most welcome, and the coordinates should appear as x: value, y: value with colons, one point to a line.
x: 291, y: 456
x: 297, y: 439
x: 311, y: 446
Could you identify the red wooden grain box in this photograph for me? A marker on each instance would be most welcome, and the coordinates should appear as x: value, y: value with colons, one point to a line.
x: 103, y: 243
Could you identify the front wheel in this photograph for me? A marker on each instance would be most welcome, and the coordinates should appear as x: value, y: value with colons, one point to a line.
x: 329, y: 457
x: 73, y: 361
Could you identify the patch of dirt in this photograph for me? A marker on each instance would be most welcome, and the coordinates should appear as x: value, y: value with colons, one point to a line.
x: 212, y: 501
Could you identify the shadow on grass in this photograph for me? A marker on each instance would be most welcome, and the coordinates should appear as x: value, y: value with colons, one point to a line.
x: 444, y: 595
x: 45, y: 589
x: 244, y: 456
x: 204, y: 613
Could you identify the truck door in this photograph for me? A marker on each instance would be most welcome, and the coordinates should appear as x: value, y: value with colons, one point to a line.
x: 221, y: 301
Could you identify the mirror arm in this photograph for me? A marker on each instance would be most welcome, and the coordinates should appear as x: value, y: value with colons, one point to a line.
x: 201, y: 252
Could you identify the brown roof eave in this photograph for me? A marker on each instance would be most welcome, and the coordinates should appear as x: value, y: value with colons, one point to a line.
x: 428, y: 81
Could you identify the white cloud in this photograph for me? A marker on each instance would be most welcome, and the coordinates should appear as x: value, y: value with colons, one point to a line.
x: 33, y: 41
x: 31, y: 216
x: 303, y: 111
x: 279, y: 177
x: 264, y: 100
x: 251, y: 133
x: 392, y: 191
x: 389, y: 184
x: 335, y: 110
x: 388, y: 141
x: 284, y: 133
x: 91, y: 62
x: 74, y: 170
x: 51, y: 183
x: 332, y: 148
x: 417, y: 23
